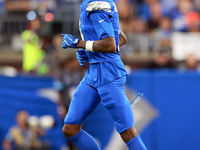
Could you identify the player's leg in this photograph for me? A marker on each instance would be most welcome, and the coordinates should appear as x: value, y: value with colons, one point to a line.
x: 127, y: 135
x: 132, y: 139
x: 114, y: 99
x: 83, y: 103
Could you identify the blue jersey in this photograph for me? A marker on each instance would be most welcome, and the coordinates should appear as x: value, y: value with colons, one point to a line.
x: 99, y: 19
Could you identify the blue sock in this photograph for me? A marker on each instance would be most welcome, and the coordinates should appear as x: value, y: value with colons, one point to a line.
x: 136, y: 144
x: 84, y: 141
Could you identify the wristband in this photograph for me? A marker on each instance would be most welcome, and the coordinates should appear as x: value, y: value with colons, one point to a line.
x: 89, y: 46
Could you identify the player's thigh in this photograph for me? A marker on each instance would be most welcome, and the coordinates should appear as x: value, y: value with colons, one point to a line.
x: 115, y: 100
x: 83, y: 103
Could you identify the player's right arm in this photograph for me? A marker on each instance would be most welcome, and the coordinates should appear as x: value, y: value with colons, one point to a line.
x: 122, y: 39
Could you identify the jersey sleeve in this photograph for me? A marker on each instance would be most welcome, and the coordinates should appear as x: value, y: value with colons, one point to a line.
x: 99, y: 13
x: 102, y: 25
x: 99, y: 6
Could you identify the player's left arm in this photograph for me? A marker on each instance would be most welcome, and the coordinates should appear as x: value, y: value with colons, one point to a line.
x: 105, y: 45
x: 104, y: 31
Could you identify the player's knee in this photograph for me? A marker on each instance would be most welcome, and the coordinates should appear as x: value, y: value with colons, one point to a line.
x: 127, y: 135
x: 67, y: 130
x: 70, y: 130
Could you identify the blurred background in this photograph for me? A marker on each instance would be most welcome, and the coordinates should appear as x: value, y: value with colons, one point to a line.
x: 38, y: 77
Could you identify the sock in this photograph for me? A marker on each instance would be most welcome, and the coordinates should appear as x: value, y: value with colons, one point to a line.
x: 136, y: 143
x: 84, y: 141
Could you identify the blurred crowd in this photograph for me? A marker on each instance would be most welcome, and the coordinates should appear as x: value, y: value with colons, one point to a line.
x: 160, y: 16
x: 25, y: 134
x: 148, y: 24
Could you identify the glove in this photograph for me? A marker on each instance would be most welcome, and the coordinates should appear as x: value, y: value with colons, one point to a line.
x: 69, y: 41
x: 82, y: 57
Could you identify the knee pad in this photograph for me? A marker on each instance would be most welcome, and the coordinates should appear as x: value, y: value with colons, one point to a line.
x: 71, y: 118
x: 123, y: 117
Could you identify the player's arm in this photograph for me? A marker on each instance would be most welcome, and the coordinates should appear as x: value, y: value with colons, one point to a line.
x: 122, y: 39
x: 106, y: 45
x: 104, y: 31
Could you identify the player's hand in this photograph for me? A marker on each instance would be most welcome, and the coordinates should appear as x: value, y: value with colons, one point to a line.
x: 69, y: 41
x: 82, y: 57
